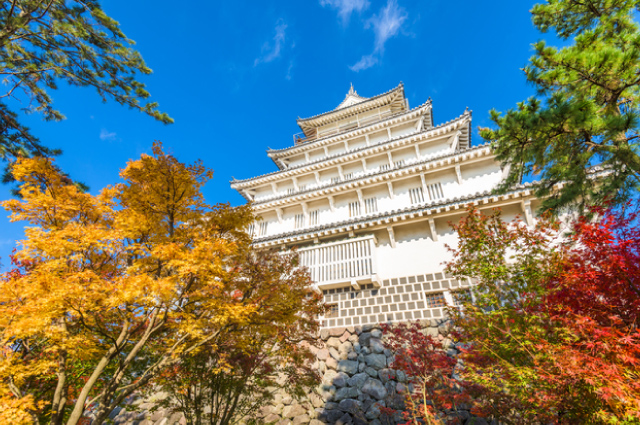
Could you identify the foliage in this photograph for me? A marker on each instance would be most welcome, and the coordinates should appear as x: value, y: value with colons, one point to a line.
x: 553, y: 326
x: 587, y: 110
x: 44, y: 42
x: 430, y: 373
x: 222, y: 385
x: 111, y: 290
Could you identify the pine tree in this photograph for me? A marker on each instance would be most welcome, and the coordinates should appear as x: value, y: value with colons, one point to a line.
x: 45, y: 42
x: 582, y: 128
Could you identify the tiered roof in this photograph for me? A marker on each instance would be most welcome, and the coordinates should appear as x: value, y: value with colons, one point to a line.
x: 354, y: 104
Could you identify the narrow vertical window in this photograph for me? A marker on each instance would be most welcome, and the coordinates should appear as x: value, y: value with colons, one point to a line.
x: 416, y: 195
x: 354, y: 209
x: 314, y: 217
x: 263, y: 228
x: 435, y: 191
x: 371, y: 205
x: 299, y: 221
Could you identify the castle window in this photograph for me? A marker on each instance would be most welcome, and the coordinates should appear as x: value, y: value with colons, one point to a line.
x: 371, y: 205
x: 385, y: 167
x: 290, y: 191
x: 314, y: 217
x: 417, y: 195
x: 263, y: 228
x: 435, y: 300
x: 251, y: 229
x: 354, y: 209
x: 299, y: 221
x: 435, y: 191
x: 348, y: 176
x: 332, y: 311
x: 399, y: 164
x: 335, y: 180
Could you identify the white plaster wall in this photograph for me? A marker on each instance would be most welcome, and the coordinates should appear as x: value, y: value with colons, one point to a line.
x: 336, y: 148
x: 404, y: 129
x: 375, y: 162
x: 308, y: 179
x: 480, y: 176
x: 358, y: 142
x: 406, y: 154
x: 378, y: 137
x: 296, y: 160
x: 434, y: 148
x: 352, y: 167
x: 316, y: 154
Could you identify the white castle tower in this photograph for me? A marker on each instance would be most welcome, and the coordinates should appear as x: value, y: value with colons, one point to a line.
x: 366, y: 193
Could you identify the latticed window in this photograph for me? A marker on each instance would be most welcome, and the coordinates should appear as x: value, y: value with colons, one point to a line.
x: 371, y: 205
x: 435, y: 191
x: 459, y: 297
x: 335, y: 180
x: 332, y: 311
x: 251, y: 229
x: 354, y: 209
x: 416, y: 195
x: 435, y: 300
x: 314, y: 217
x: 263, y: 227
x: 348, y: 176
x: 290, y: 191
x: 385, y: 167
x: 299, y: 221
x: 399, y: 164
x: 302, y: 187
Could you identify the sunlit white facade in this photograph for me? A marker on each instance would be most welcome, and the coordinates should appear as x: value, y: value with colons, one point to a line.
x: 366, y: 193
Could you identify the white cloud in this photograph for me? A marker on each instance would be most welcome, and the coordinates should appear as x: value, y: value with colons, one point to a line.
x: 365, y: 62
x: 289, y: 75
x: 386, y: 24
x: 346, y: 7
x: 107, y: 135
x: 271, y: 50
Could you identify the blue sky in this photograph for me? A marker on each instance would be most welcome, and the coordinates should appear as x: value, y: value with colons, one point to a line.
x: 236, y: 75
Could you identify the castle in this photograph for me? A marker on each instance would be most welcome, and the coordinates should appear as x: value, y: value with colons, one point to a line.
x: 365, y: 195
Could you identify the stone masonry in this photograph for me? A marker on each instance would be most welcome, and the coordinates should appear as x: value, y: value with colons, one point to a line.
x: 356, y: 381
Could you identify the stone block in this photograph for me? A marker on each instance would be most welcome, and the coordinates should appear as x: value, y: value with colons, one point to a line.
x: 344, y: 420
x: 346, y: 392
x: 337, y: 331
x: 322, y: 354
x: 271, y: 418
x: 333, y: 342
x: 334, y: 353
x: 371, y: 372
x: 332, y: 363
x: 357, y: 380
x: 352, y: 355
x: 340, y: 380
x: 299, y: 420
x: 345, y: 336
x: 378, y: 361
x: 386, y: 374
x: 349, y: 405
x: 324, y: 334
x: 376, y: 346
x: 293, y: 411
x: 376, y: 333
x: 316, y: 422
x: 364, y: 338
x: 347, y: 366
x: 374, y: 388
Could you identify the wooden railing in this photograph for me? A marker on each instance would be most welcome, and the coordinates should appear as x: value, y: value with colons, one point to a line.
x: 339, y: 262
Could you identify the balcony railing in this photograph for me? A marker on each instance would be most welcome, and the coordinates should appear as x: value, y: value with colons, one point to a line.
x: 348, y: 261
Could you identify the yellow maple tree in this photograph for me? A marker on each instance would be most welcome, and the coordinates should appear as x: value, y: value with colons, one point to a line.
x: 111, y: 290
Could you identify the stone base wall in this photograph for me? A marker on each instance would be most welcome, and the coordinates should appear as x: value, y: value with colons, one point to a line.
x: 356, y: 381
